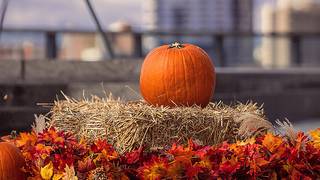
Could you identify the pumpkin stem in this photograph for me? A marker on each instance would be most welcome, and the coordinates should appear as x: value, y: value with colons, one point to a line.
x: 13, y: 134
x: 176, y: 45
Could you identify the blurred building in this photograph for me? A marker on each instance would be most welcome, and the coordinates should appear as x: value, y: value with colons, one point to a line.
x: 217, y: 16
x: 289, y: 16
x: 17, y: 46
x: 78, y: 46
x: 90, y: 47
x: 8, y: 52
x: 26, y: 51
x: 200, y: 15
x: 122, y: 39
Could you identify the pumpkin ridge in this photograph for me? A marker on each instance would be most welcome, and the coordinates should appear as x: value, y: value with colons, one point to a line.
x: 155, y: 53
x: 175, y: 74
x: 196, y: 87
x: 182, y: 58
x: 186, y: 84
x: 11, y: 162
x: 1, y: 165
x: 151, y: 79
x: 11, y: 157
x: 164, y: 75
x: 163, y: 89
x: 8, y: 154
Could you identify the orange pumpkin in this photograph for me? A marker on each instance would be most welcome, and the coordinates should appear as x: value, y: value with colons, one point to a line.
x: 177, y: 74
x: 11, y: 162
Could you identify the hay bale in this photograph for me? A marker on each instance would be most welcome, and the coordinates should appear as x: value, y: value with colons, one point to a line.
x: 128, y: 125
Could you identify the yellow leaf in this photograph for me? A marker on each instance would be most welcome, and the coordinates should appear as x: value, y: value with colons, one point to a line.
x: 57, y: 176
x: 47, y: 171
x: 69, y: 173
x: 315, y: 134
x: 204, y: 163
x: 247, y: 141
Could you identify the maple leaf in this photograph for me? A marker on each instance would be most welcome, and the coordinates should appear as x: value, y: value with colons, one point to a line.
x: 229, y: 167
x: 179, y: 165
x: 297, y: 175
x: 100, y: 145
x: 48, y: 135
x: 179, y: 150
x: 203, y: 152
x: 47, y: 171
x: 70, y: 173
x: 110, y: 154
x: 237, y: 148
x: 193, y: 171
x: 246, y: 142
x: 26, y: 139
x: 86, y: 165
x: 205, y: 163
x: 43, y: 150
x: 176, y: 169
x: 60, y: 160
x: 315, y: 134
x: 272, y: 142
x: 134, y: 156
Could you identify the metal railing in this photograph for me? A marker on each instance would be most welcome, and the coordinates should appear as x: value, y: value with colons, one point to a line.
x: 218, y: 40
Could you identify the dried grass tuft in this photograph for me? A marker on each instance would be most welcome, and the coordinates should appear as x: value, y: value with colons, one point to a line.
x: 286, y: 128
x: 128, y: 125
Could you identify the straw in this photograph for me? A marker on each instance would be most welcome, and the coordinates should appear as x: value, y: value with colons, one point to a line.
x: 129, y: 125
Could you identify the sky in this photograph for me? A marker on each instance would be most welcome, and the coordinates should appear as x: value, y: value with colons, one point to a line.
x: 70, y: 14
x: 73, y: 14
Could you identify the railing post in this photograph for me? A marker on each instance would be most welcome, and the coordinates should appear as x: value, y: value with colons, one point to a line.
x: 102, y: 33
x: 219, y: 49
x: 51, y: 45
x: 296, y: 49
x: 23, y: 65
x: 138, y: 51
x: 4, y: 6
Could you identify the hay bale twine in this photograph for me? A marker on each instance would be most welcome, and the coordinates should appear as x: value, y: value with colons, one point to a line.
x: 128, y: 125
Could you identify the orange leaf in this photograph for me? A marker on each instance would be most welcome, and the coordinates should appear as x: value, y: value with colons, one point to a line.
x: 272, y: 142
x: 315, y: 134
x: 26, y: 139
x: 155, y: 169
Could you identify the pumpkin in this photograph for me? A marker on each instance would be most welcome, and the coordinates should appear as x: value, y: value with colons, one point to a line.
x: 177, y: 74
x: 11, y: 162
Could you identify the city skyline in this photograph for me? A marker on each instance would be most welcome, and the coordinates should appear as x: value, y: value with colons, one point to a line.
x: 73, y: 14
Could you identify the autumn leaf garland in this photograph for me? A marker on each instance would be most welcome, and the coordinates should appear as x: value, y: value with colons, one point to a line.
x: 58, y: 155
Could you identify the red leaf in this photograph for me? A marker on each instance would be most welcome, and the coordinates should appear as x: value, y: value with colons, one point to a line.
x: 134, y: 156
x: 86, y: 165
x: 193, y: 171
